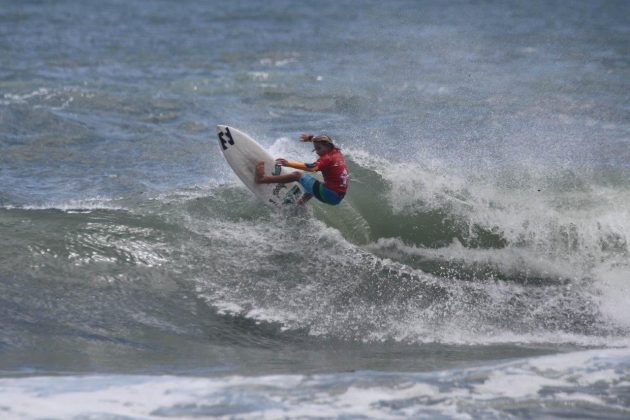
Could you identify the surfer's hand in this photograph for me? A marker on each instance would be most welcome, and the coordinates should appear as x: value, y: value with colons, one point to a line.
x: 306, y: 137
x: 281, y: 161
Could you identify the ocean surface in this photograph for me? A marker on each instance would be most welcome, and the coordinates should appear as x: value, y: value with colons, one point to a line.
x: 479, y: 266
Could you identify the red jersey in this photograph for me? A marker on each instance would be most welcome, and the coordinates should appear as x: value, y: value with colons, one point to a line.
x: 335, y: 170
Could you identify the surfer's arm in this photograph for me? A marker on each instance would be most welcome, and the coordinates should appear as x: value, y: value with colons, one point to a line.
x: 309, y: 167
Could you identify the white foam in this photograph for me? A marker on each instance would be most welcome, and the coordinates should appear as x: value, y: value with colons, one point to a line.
x: 11, y: 98
x: 298, y: 300
x: 514, y: 385
x: 258, y: 75
x: 230, y: 308
x: 292, y: 149
x: 74, y: 205
x: 570, y: 223
x: 613, y: 292
x: 594, y: 377
x: 509, y: 260
x: 576, y: 233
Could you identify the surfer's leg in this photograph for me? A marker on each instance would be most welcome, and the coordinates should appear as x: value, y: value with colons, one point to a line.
x: 261, y: 178
x: 328, y: 196
x: 316, y: 189
x: 305, y: 198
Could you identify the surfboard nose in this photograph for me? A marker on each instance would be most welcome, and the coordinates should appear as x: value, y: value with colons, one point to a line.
x: 221, y: 128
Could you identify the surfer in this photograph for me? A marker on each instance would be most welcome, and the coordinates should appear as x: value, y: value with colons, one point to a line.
x: 331, y: 163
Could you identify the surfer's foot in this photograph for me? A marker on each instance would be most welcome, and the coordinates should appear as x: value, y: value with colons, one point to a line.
x: 260, y: 173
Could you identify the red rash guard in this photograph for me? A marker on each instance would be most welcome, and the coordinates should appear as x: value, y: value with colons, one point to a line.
x: 334, y: 169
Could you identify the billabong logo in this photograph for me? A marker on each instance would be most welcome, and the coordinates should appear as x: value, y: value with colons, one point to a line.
x: 223, y: 141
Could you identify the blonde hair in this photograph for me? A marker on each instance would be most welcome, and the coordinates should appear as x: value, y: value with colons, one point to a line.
x: 322, y: 138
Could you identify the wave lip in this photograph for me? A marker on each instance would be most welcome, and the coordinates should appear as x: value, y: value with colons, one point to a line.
x: 583, y: 383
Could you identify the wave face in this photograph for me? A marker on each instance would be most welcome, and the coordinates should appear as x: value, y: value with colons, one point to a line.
x: 414, y: 255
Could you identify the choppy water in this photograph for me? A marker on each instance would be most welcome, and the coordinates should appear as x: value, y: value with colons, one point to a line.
x: 479, y: 265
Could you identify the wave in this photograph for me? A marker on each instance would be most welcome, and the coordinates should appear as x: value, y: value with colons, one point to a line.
x: 541, y: 223
x: 414, y: 255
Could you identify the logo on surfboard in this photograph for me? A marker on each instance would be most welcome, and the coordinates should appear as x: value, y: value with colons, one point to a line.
x: 223, y: 140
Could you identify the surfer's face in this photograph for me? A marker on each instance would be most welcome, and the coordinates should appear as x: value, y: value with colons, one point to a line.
x: 320, y: 147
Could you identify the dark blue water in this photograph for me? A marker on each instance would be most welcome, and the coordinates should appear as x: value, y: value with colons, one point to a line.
x: 486, y: 225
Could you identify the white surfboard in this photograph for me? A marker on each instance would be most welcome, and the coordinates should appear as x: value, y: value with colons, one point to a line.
x: 243, y: 153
